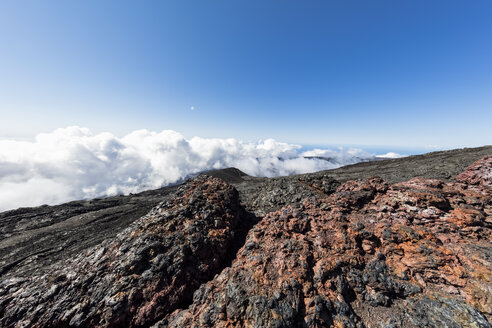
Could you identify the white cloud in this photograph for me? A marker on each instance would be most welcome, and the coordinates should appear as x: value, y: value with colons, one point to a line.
x: 339, y: 157
x: 72, y: 163
x: 390, y: 155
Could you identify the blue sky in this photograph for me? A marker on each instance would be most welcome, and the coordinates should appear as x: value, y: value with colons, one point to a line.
x: 390, y: 73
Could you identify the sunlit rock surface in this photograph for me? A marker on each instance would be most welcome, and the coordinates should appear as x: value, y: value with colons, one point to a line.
x: 150, y: 269
x: 414, y: 254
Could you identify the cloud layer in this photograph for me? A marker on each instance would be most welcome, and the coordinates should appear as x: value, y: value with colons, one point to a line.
x: 73, y: 163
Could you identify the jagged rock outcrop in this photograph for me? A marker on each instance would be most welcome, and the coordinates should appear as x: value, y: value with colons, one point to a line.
x: 415, y: 254
x: 152, y: 268
x: 365, y: 253
x: 478, y: 174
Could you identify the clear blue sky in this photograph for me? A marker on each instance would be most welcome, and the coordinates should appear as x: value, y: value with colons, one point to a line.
x: 396, y: 73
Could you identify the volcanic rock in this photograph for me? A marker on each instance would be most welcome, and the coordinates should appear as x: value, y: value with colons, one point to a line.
x: 415, y: 254
x: 152, y: 268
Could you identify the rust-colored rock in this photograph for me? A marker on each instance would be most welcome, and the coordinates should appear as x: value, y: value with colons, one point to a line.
x: 416, y: 254
x: 478, y: 173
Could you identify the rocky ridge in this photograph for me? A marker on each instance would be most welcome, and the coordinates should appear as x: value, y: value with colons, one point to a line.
x: 310, y: 253
x: 413, y: 254
x: 150, y: 269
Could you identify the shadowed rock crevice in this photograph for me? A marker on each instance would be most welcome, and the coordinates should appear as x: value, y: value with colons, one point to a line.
x: 246, y: 221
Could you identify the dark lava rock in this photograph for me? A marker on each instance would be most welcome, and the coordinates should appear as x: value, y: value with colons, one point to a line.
x: 31, y: 239
x: 275, y: 193
x: 150, y: 269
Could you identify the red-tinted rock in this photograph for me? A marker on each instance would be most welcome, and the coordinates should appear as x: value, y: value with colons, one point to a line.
x: 411, y: 255
x: 151, y: 269
x: 478, y: 173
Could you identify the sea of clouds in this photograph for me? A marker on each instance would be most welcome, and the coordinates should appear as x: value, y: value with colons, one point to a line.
x: 73, y: 163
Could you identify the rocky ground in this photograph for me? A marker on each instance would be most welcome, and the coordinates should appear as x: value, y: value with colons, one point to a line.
x: 31, y: 239
x: 229, y: 250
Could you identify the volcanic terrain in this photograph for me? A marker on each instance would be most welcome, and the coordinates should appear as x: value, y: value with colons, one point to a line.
x: 395, y: 243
